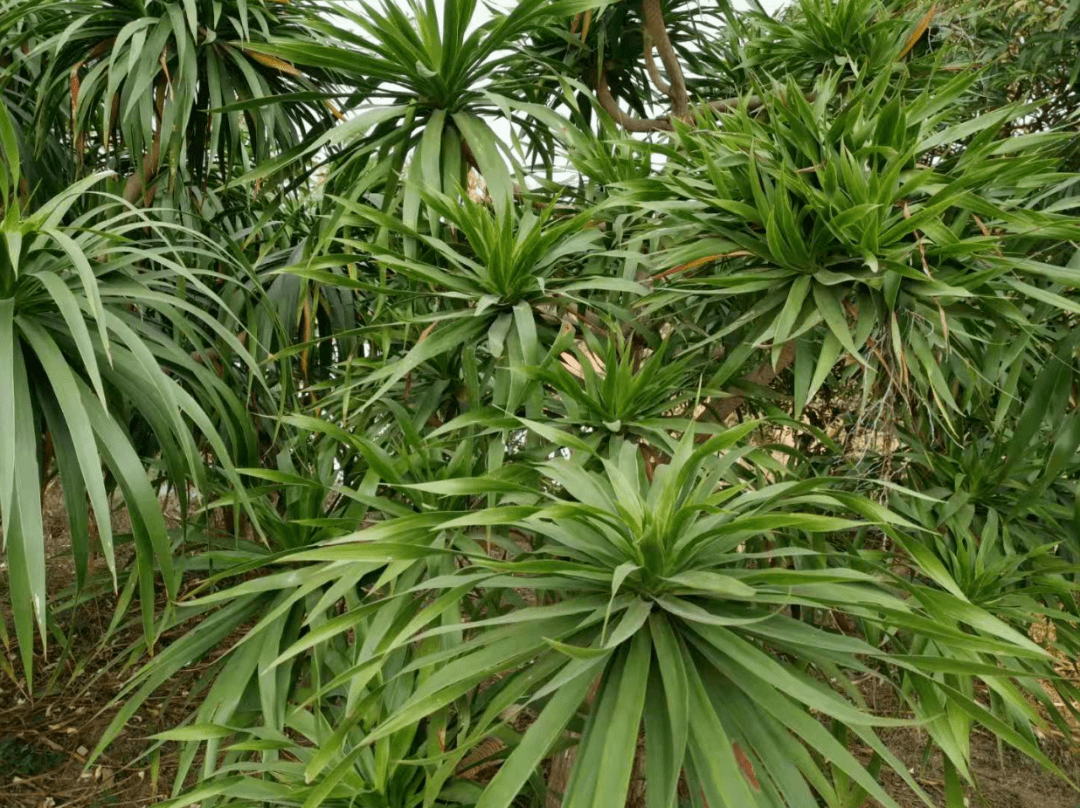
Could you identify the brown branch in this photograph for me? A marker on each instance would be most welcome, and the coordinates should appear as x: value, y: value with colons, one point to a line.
x: 137, y: 183
x: 656, y: 29
x: 656, y: 35
x: 752, y: 103
x: 653, y: 70
x: 730, y: 104
x: 631, y: 124
x: 627, y: 122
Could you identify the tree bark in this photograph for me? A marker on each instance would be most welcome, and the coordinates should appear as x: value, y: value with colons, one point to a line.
x: 656, y: 29
x: 137, y: 183
x: 627, y: 122
x: 653, y: 70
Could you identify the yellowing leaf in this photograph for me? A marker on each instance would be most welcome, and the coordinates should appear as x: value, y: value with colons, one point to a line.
x: 920, y: 29
x: 272, y: 61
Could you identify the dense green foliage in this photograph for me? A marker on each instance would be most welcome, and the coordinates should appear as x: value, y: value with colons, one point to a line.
x: 627, y: 383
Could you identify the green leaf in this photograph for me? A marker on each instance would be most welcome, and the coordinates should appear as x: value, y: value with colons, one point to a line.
x: 195, y: 732
x: 534, y: 745
x: 829, y: 304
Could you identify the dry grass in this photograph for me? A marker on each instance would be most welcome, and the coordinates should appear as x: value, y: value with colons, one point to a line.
x: 48, y: 732
x: 46, y: 737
